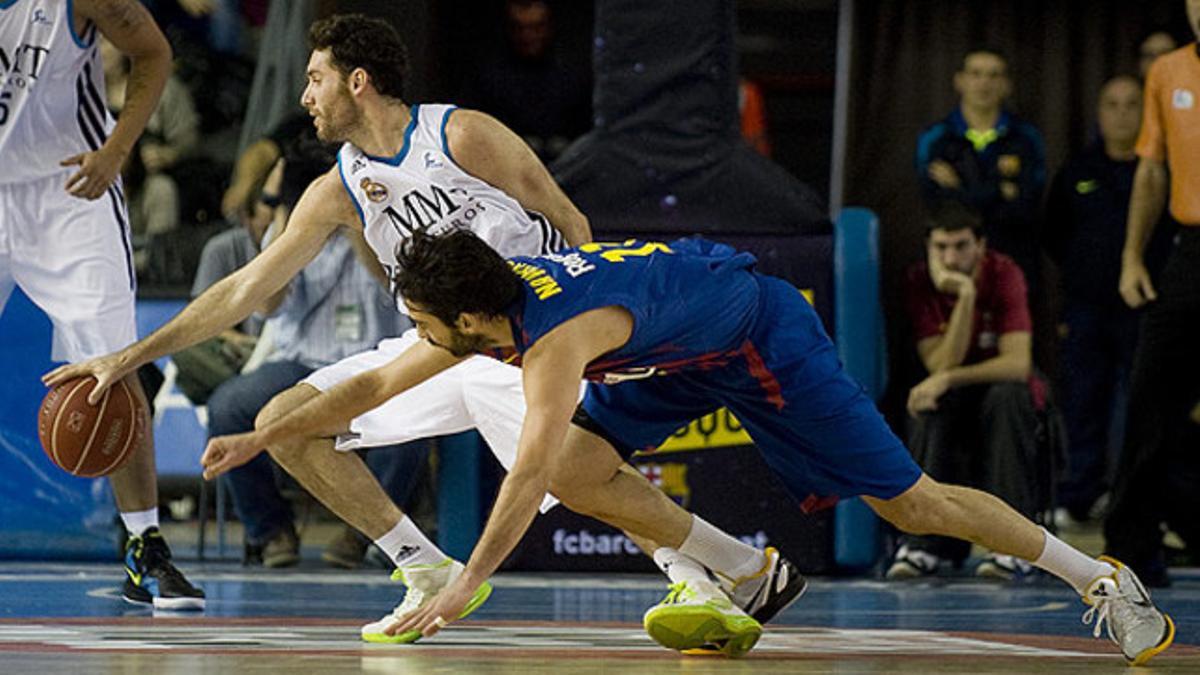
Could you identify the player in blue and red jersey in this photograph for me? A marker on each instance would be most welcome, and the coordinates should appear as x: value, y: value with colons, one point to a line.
x: 669, y: 332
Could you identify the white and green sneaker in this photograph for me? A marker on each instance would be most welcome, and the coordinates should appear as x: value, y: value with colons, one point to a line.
x: 424, y: 582
x: 698, y: 613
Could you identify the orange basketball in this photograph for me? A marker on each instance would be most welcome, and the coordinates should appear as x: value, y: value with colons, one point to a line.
x: 90, y: 440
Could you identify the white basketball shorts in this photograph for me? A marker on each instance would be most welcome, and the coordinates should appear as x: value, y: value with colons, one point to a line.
x: 73, y: 258
x: 479, y: 393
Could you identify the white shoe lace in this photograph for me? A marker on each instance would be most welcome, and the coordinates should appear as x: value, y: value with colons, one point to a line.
x: 1105, y: 609
x: 1099, y: 611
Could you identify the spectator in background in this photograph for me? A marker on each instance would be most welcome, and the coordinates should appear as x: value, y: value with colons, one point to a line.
x: 1165, y: 385
x: 329, y: 311
x: 752, y: 111
x: 547, y: 104
x: 987, y: 158
x: 1084, y: 236
x: 974, y: 416
x: 218, y: 25
x: 172, y: 133
x: 1153, y: 46
x: 294, y: 140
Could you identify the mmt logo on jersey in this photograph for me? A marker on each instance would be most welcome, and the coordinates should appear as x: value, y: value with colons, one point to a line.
x: 22, y: 61
x: 421, y: 211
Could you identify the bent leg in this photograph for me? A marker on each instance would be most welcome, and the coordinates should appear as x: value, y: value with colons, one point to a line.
x: 592, y: 479
x: 340, y: 480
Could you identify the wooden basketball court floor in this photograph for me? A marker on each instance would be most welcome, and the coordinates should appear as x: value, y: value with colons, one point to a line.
x: 69, y: 618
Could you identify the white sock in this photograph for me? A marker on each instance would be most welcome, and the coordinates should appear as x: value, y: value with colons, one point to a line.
x: 678, y: 567
x: 1070, y: 564
x: 137, y: 522
x: 406, y: 545
x: 720, y: 552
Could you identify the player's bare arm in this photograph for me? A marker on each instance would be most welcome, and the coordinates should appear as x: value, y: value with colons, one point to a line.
x: 490, y: 151
x: 331, y: 411
x: 129, y: 26
x: 551, y: 369
x: 320, y: 211
x: 1145, y: 207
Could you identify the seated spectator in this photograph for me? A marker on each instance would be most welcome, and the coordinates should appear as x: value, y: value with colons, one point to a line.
x: 974, y: 418
x: 528, y: 71
x: 172, y: 133
x: 334, y: 308
x: 1084, y: 236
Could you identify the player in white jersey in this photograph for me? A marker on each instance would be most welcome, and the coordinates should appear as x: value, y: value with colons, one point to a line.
x: 64, y: 235
x: 402, y: 169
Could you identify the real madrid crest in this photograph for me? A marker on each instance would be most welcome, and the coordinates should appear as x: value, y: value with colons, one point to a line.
x: 376, y: 192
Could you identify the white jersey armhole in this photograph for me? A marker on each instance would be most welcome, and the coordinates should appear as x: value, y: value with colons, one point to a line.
x: 362, y: 217
x: 446, y: 139
x: 87, y: 38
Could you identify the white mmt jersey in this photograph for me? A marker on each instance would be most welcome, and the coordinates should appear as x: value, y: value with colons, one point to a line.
x: 422, y: 189
x: 51, y: 89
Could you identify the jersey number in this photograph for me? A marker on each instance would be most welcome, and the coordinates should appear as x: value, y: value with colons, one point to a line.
x: 4, y: 96
x: 616, y: 253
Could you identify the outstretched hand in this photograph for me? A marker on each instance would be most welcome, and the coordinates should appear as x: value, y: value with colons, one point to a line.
x: 229, y: 452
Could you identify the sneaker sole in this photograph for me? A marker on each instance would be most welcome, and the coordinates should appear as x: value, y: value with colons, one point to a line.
x: 190, y: 604
x: 690, y: 628
x: 281, y: 560
x: 1150, y: 653
x: 481, y: 595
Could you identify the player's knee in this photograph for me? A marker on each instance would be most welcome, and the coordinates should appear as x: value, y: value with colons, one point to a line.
x: 276, y: 408
x: 921, y: 510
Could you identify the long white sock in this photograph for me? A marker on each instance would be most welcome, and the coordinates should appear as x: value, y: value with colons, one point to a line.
x: 678, y: 567
x: 137, y: 522
x: 1070, y: 564
x: 720, y: 552
x: 406, y: 545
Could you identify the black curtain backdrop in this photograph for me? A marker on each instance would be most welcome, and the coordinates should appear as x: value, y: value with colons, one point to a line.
x: 905, y: 54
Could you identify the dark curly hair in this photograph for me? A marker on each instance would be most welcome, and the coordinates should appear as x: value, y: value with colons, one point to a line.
x: 454, y: 273
x: 357, y: 41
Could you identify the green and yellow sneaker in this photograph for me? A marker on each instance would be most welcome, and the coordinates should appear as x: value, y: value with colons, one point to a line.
x: 699, y: 613
x: 424, y: 582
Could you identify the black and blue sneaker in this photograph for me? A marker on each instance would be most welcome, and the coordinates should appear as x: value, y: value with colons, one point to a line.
x: 151, y: 578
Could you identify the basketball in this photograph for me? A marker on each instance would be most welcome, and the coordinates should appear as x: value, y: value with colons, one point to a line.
x: 86, y: 440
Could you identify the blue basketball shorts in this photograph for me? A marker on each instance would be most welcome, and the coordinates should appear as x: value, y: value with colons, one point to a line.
x: 816, y: 428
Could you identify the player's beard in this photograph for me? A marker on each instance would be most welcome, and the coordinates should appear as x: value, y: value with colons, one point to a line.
x: 339, y: 121
x: 462, y: 344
